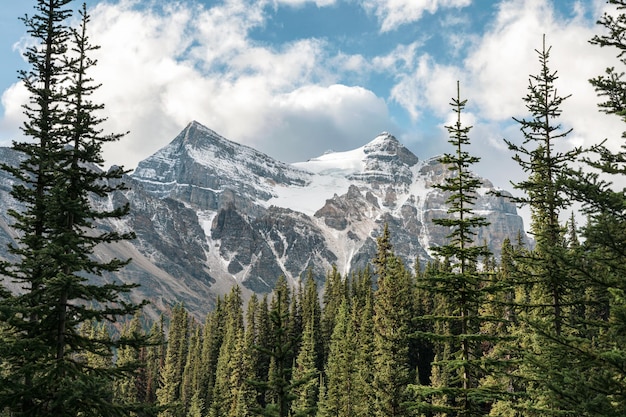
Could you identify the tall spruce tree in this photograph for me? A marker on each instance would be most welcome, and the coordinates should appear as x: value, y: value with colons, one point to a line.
x: 364, y: 360
x: 213, y: 337
x: 169, y: 392
x: 459, y: 292
x: 392, y: 317
x: 340, y: 398
x: 22, y: 391
x: 278, y: 385
x: 596, y: 343
x: 190, y: 385
x: 154, y: 362
x: 334, y: 294
x: 56, y: 182
x: 308, y: 362
x: 262, y: 348
x: 312, y: 311
x: 227, y: 374
x: 305, y: 378
x: 549, y: 289
x: 544, y: 188
x: 248, y: 355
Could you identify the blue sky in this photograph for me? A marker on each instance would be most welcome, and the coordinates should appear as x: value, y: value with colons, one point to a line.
x: 294, y: 78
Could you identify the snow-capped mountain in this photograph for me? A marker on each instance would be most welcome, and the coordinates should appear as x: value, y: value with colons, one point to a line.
x: 209, y: 213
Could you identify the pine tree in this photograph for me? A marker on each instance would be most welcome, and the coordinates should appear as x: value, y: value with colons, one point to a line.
x: 334, y: 294
x: 595, y: 339
x: 56, y: 182
x: 127, y: 390
x: 212, y: 340
x: 460, y: 291
x: 340, y: 398
x: 95, y: 361
x: 227, y: 374
x: 190, y: 385
x: 248, y: 356
x: 263, y: 348
x: 544, y: 188
x: 550, y: 291
x: 231, y: 373
x: 311, y: 310
x: 279, y: 386
x: 392, y: 317
x: 21, y: 389
x: 364, y: 358
x: 280, y: 350
x: 422, y: 352
x: 309, y: 360
x: 305, y: 377
x: 169, y: 392
x: 154, y: 362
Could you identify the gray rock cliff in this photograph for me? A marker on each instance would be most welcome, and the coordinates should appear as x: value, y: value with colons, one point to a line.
x: 209, y: 213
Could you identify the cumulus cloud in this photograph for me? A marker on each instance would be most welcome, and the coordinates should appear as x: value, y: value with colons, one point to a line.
x: 161, y: 69
x: 506, y: 55
x: 314, y: 116
x: 495, y: 75
x: 12, y: 100
x: 297, y: 3
x: 428, y: 87
x: 394, y: 13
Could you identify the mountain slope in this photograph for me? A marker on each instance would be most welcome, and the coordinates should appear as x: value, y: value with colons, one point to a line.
x: 209, y: 213
x: 264, y: 218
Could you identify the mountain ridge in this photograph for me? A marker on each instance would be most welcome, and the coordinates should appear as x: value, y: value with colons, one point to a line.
x: 210, y: 213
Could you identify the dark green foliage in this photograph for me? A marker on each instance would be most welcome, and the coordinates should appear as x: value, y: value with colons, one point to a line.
x: 57, y: 182
x: 545, y: 193
x: 169, y: 392
x: 339, y: 397
x: 454, y: 323
x: 334, y: 294
x: 392, y: 317
x: 211, y: 344
x: 228, y: 374
x: 154, y: 362
x: 279, y: 387
x: 305, y: 377
x: 595, y: 339
x: 131, y: 389
x: 309, y: 359
x: 549, y: 292
x: 247, y: 397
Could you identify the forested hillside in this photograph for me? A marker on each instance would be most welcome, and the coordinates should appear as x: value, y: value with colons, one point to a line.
x: 540, y: 331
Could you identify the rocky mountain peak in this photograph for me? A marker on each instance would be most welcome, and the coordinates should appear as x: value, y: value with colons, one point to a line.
x: 199, y: 166
x: 210, y: 213
x: 386, y: 146
x: 387, y: 161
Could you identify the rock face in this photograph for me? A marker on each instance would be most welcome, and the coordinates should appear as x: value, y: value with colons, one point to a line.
x: 210, y: 213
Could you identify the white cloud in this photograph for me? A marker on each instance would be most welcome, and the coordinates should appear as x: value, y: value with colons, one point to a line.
x: 12, y: 100
x: 334, y: 117
x: 401, y: 58
x: 505, y: 57
x: 394, y: 13
x: 297, y: 3
x: 428, y: 86
x: 162, y: 69
x: 495, y: 74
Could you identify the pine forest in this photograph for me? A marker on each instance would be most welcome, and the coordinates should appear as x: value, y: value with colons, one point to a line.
x: 538, y: 331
